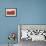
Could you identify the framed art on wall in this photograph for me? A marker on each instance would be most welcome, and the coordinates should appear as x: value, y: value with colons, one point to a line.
x: 10, y: 11
x: 33, y: 32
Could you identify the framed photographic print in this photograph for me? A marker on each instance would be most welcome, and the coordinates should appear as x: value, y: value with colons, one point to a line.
x: 10, y: 11
x: 33, y: 32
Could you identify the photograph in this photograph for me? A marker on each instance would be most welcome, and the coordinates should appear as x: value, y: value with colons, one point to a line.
x: 10, y: 11
x: 28, y: 33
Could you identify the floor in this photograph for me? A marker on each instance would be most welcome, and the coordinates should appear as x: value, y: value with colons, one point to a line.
x: 30, y: 43
x: 7, y: 45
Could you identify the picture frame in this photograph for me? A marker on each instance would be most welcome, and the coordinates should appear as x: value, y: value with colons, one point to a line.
x: 39, y: 28
x: 11, y: 12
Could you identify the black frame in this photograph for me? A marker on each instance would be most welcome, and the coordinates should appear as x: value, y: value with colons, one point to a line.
x: 10, y: 8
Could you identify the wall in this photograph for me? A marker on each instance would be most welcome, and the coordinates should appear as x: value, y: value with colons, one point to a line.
x: 28, y: 12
